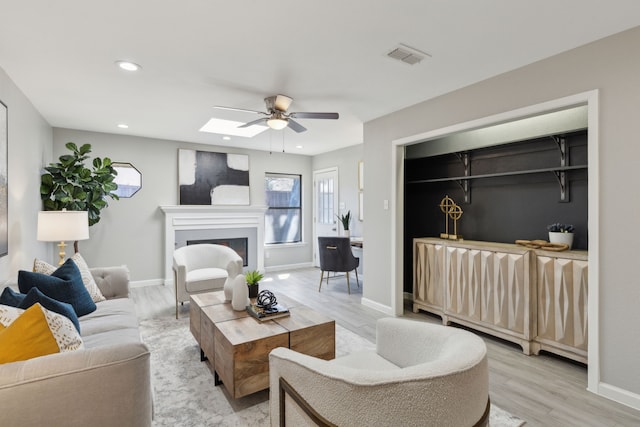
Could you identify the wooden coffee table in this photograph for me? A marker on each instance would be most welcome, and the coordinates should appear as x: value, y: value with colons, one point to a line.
x: 238, y: 346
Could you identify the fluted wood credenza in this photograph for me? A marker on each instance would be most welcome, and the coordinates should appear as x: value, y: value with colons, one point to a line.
x: 535, y: 298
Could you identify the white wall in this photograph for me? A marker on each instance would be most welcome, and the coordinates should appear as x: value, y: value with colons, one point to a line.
x: 131, y: 230
x: 29, y: 150
x: 346, y: 160
x: 607, y: 65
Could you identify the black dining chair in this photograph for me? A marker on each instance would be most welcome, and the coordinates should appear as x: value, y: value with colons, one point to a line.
x: 335, y: 255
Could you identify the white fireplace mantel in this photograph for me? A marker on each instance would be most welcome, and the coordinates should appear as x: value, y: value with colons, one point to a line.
x: 205, y: 217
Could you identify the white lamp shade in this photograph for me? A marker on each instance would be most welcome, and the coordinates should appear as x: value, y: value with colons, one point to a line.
x: 59, y: 226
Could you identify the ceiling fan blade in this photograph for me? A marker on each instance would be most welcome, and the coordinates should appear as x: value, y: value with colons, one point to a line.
x: 255, y: 122
x: 220, y: 107
x: 282, y: 102
x: 296, y: 126
x: 315, y: 115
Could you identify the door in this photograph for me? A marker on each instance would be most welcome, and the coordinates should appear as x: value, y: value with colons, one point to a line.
x: 325, y: 207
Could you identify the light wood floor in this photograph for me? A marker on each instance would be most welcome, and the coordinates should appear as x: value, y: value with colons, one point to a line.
x: 544, y: 390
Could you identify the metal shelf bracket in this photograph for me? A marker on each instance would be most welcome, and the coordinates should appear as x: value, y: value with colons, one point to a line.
x: 561, y: 175
x: 464, y: 183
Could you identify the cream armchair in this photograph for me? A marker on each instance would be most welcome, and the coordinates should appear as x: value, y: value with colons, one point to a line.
x: 420, y: 375
x: 203, y: 268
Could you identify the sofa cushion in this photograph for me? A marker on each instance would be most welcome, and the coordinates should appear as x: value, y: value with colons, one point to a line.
x: 11, y: 297
x: 112, y: 338
x: 35, y: 296
x: 37, y: 332
x: 65, y: 284
x: 110, y: 315
x: 43, y: 267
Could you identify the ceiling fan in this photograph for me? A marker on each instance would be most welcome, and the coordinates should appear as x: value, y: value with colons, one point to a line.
x: 276, y: 116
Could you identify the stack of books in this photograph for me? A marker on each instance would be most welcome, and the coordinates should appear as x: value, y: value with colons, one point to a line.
x: 270, y: 313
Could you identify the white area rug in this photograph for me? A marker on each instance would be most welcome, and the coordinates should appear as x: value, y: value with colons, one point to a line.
x: 184, y: 393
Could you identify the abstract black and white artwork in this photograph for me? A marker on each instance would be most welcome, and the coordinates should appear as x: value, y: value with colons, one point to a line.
x: 208, y: 178
x: 4, y: 190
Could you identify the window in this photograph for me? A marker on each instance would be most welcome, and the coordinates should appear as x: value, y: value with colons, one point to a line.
x: 283, y: 219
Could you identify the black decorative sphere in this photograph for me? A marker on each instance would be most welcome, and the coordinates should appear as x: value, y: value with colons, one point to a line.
x: 266, y: 299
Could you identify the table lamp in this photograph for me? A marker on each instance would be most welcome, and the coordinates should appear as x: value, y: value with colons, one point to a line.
x: 61, y: 226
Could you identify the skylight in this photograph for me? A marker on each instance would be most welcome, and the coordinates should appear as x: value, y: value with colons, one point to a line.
x: 230, y: 127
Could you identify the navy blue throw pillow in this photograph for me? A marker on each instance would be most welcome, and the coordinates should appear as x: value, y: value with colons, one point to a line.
x: 65, y: 284
x: 34, y: 295
x: 11, y: 297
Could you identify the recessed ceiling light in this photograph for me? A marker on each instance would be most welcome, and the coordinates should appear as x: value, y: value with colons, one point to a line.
x: 128, y: 66
x: 298, y: 146
x: 226, y: 138
x: 123, y: 126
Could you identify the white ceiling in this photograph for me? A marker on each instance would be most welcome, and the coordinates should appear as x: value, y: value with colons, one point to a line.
x: 328, y: 56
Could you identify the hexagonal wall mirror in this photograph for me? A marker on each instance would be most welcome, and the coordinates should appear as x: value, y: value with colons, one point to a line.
x: 129, y: 179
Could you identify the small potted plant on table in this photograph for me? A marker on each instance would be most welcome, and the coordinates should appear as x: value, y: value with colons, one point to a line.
x: 253, y: 281
x: 345, y: 220
x: 561, y: 233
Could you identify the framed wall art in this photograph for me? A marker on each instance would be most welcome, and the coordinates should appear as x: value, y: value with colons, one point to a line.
x: 208, y: 178
x: 4, y: 176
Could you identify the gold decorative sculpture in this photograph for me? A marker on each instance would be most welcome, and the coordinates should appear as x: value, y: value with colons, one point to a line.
x: 453, y: 211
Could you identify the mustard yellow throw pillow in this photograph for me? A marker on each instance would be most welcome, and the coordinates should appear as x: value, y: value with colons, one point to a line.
x: 37, y: 332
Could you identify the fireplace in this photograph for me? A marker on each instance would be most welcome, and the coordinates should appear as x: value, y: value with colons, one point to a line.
x: 184, y: 224
x: 238, y: 244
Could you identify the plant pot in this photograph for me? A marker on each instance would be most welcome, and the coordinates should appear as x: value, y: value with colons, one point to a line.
x: 346, y: 233
x: 253, y: 290
x: 556, y: 237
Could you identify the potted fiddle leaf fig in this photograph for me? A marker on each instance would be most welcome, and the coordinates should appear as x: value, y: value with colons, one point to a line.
x: 253, y: 281
x: 69, y: 184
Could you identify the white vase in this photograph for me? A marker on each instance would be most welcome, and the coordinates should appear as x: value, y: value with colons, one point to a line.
x: 557, y: 237
x: 228, y: 289
x: 347, y: 233
x: 240, y: 299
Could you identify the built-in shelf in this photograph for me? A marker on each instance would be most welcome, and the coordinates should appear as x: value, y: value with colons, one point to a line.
x: 498, y: 174
x: 558, y: 171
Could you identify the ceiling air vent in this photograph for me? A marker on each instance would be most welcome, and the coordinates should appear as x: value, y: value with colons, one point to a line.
x: 407, y: 54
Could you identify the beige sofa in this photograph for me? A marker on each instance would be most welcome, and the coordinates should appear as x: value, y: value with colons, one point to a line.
x: 107, y: 383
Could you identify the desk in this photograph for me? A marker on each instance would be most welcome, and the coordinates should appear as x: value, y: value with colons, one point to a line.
x: 356, y: 248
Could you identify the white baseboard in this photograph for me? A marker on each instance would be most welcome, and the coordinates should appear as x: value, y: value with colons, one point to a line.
x: 143, y: 283
x: 288, y: 267
x: 377, y: 306
x: 619, y: 395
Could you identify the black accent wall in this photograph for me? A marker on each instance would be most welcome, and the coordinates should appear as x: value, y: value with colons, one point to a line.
x: 501, y: 209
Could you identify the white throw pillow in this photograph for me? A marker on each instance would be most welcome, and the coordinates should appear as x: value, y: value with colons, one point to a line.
x: 43, y: 267
x: 8, y: 314
x: 62, y: 329
x: 35, y: 332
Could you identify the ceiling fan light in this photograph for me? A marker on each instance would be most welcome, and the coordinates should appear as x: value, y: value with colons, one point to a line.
x: 277, y: 123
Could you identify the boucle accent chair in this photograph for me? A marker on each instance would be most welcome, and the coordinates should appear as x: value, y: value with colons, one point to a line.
x: 421, y: 374
x: 203, y: 268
